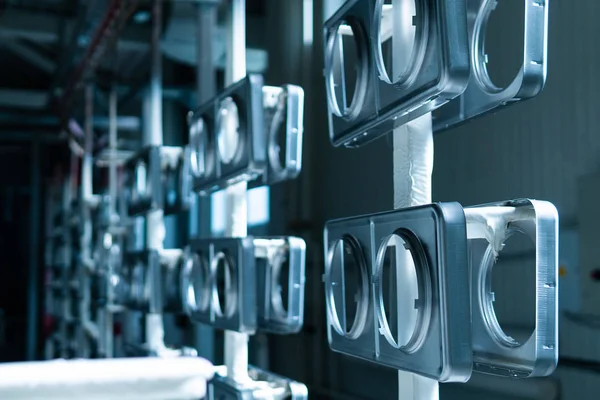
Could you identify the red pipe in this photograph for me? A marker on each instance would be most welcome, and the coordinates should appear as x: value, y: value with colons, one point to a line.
x: 108, y: 30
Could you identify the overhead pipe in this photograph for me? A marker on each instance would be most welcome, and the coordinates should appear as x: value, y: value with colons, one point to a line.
x: 116, y: 16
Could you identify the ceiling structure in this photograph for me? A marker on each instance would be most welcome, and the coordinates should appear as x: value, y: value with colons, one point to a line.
x: 42, y: 43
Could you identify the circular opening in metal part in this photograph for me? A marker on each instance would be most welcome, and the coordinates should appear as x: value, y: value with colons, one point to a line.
x: 508, y: 288
x: 224, y: 290
x: 280, y: 282
x: 228, y: 136
x: 400, y: 39
x: 200, y: 148
x: 196, y: 284
x: 498, y: 51
x: 347, y: 287
x: 403, y: 291
x: 347, y: 69
x: 141, y: 180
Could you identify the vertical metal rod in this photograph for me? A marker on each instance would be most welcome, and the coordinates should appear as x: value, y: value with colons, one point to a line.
x: 49, y: 306
x: 113, y: 137
x: 236, y: 344
x: 153, y: 135
x: 34, y: 217
x: 205, y: 74
x: 68, y: 192
x: 86, y: 193
x: 206, y: 89
x: 236, y: 42
x: 108, y: 326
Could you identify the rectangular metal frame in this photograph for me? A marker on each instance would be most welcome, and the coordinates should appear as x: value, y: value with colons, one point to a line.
x: 142, y: 281
x: 494, y: 352
x: 284, y: 106
x: 444, y: 352
x: 481, y: 95
x: 240, y: 254
x: 175, y: 166
x: 149, y: 280
x: 250, y: 158
x: 139, y: 204
x: 171, y: 261
x: 442, y: 74
x: 276, y: 314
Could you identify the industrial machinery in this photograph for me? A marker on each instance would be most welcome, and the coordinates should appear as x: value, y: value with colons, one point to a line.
x: 409, y: 289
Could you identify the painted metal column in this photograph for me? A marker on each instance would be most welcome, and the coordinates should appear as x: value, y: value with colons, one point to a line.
x: 236, y: 224
x: 413, y: 168
x: 153, y: 135
x: 34, y: 227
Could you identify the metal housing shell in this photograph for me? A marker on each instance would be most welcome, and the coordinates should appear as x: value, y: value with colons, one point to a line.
x: 444, y: 352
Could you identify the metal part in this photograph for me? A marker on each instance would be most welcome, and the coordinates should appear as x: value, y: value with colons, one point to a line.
x: 280, y: 271
x: 263, y: 286
x: 227, y: 137
x: 482, y: 95
x: 436, y: 71
x: 176, y: 179
x: 172, y: 263
x: 228, y: 270
x: 494, y: 351
x: 157, y: 178
x: 439, y: 346
x: 143, y: 277
x: 150, y: 280
x: 284, y: 123
x: 262, y: 385
x: 143, y: 187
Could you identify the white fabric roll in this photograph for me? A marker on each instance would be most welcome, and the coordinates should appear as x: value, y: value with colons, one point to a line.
x: 104, y: 379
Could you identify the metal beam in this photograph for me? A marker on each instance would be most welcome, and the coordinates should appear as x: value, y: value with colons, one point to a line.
x: 44, y: 28
x: 177, y: 43
x: 27, y: 136
x: 18, y: 98
x: 29, y: 54
x: 124, y: 123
